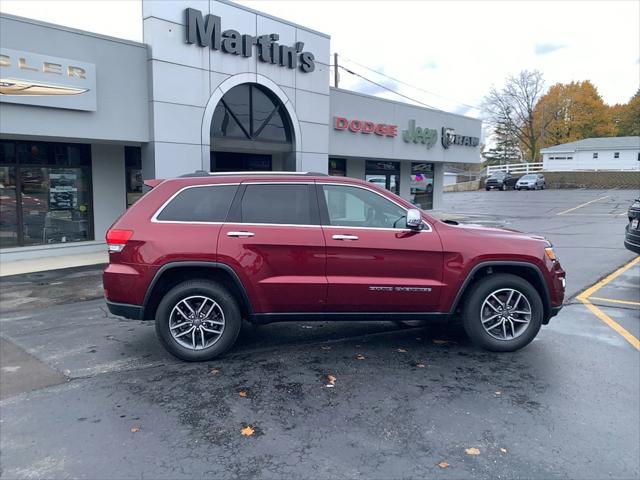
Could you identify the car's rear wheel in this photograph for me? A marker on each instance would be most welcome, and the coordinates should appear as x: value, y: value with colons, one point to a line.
x: 487, y: 188
x: 503, y: 187
x: 198, y: 320
x: 502, y: 313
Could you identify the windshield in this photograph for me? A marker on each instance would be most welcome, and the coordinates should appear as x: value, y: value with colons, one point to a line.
x: 497, y: 175
x: 529, y: 177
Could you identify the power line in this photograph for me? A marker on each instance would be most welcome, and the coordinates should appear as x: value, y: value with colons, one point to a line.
x: 386, y: 88
x: 409, y: 85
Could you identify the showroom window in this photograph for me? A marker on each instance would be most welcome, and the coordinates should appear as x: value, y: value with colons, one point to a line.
x: 422, y: 185
x: 45, y: 193
x: 133, y: 174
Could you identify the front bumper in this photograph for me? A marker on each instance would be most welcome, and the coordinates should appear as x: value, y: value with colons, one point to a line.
x: 133, y: 312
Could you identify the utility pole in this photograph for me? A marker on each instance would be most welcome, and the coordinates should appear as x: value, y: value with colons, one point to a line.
x: 335, y: 70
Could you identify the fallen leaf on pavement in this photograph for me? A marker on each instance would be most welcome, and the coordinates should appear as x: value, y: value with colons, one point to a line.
x: 332, y: 381
x: 420, y: 365
x: 402, y: 350
x: 498, y: 393
x: 503, y: 450
x: 242, y: 393
x: 443, y: 464
x: 247, y: 431
x: 440, y: 342
x: 215, y: 371
x: 360, y: 357
x: 135, y: 429
x: 472, y: 451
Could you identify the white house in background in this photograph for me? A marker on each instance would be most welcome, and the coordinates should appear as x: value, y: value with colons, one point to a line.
x: 607, y: 153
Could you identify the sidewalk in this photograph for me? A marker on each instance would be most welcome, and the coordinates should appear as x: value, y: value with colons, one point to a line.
x: 18, y: 267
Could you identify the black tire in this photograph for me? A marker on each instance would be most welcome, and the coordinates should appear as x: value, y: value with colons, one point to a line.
x: 488, y: 189
x: 471, y: 312
x: 542, y: 187
x: 214, y: 291
x: 503, y: 187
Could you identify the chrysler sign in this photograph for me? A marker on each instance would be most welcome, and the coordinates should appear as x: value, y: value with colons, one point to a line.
x: 34, y: 79
x: 207, y: 32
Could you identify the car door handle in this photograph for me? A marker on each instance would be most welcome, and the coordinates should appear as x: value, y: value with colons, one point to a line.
x: 345, y: 237
x: 240, y: 234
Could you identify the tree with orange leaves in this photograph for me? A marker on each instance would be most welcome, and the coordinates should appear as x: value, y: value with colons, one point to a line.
x: 572, y: 111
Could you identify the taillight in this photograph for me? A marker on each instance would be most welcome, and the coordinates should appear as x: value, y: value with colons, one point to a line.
x: 117, y: 239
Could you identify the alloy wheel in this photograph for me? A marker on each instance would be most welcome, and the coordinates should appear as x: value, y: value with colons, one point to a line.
x: 505, y: 314
x: 196, y: 322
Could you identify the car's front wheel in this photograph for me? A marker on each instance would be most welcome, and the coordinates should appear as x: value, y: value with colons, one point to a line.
x: 502, y: 313
x: 503, y: 187
x: 198, y: 320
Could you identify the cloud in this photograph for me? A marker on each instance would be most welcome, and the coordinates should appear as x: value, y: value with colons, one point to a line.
x: 544, y: 48
x: 368, y: 88
x: 430, y: 64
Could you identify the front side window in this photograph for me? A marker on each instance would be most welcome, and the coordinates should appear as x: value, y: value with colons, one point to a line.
x: 288, y: 204
x: 349, y: 206
x: 199, y: 204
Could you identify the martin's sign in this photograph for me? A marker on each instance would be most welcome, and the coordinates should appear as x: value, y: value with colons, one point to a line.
x: 449, y: 137
x: 207, y: 32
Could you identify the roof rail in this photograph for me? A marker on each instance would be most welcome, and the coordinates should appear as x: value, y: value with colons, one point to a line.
x: 204, y: 173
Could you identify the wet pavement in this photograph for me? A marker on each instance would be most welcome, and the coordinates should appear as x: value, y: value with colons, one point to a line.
x: 333, y: 400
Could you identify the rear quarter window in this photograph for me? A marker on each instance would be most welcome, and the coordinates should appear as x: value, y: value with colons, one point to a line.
x: 199, y: 204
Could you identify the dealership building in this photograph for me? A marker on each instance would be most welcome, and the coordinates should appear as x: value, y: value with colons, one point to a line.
x: 215, y: 86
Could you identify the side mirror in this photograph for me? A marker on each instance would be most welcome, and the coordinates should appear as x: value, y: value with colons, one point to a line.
x: 414, y: 219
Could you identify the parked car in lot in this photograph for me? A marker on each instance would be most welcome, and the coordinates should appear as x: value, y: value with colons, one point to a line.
x: 531, y: 181
x: 632, y: 231
x: 200, y: 253
x: 500, y: 181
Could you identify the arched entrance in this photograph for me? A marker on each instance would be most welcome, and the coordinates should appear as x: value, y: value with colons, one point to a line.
x: 249, y: 124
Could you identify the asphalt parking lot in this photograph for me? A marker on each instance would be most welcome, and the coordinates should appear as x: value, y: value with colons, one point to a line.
x: 89, y: 395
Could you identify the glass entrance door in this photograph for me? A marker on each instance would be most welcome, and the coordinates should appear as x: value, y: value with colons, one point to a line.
x: 384, y: 174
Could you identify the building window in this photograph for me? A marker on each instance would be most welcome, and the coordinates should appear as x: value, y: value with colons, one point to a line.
x: 383, y: 174
x: 133, y: 174
x: 616, y: 154
x: 45, y: 193
x: 595, y: 154
x: 422, y: 185
x: 338, y: 167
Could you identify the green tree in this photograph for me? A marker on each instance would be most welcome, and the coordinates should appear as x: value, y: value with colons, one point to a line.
x: 506, y: 147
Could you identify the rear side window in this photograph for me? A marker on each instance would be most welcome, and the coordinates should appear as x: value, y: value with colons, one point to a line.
x: 279, y: 204
x: 199, y: 204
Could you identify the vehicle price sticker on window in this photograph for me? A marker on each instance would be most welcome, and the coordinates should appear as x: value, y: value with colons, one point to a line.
x: 634, y: 223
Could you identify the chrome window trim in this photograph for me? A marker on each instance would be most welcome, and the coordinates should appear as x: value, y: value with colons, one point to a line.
x: 429, y: 229
x: 154, y: 218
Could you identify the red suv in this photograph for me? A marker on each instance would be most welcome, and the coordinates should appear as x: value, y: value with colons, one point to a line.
x: 201, y: 252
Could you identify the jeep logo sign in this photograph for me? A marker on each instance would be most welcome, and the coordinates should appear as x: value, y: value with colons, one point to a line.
x: 207, y: 32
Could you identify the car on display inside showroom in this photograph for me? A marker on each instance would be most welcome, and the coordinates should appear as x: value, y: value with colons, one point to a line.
x: 201, y: 252
x: 500, y: 181
x: 531, y: 181
x: 632, y: 230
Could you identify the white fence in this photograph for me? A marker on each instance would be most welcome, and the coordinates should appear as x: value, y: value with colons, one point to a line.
x: 530, y: 167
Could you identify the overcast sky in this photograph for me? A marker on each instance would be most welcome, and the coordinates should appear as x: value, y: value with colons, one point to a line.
x: 454, y: 49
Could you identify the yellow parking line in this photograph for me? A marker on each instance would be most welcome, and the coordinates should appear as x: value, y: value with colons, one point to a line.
x: 611, y: 300
x: 584, y: 298
x: 582, y: 205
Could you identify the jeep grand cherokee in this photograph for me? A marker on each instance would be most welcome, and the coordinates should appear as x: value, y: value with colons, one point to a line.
x: 199, y: 253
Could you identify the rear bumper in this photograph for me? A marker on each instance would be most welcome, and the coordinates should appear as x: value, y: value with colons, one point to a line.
x: 133, y: 312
